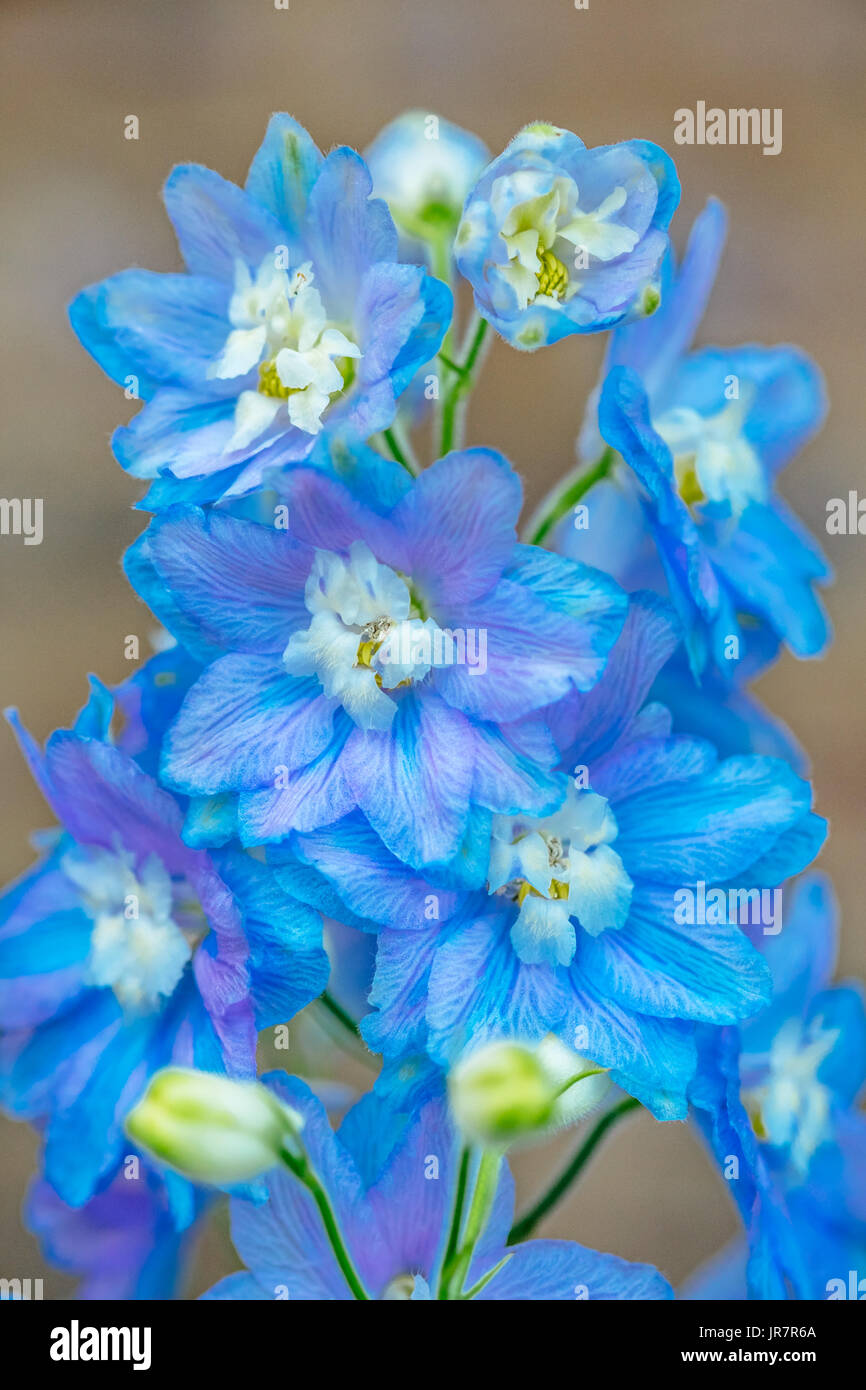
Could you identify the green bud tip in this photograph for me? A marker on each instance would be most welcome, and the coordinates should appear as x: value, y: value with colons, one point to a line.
x: 212, y: 1129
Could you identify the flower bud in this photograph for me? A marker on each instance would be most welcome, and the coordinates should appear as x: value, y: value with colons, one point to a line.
x: 212, y: 1129
x: 506, y: 1091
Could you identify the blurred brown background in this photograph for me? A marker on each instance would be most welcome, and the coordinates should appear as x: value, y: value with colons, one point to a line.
x: 80, y: 202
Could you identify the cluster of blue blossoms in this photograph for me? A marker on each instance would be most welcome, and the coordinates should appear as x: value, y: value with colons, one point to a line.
x: 502, y: 808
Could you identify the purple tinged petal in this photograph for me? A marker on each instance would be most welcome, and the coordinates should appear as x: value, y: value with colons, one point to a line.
x: 217, y: 223
x: 413, y: 782
x: 241, y: 583
x: 558, y: 1271
x: 324, y: 514
x: 179, y: 431
x: 306, y: 798
x: 589, y: 724
x: 459, y: 519
x: 343, y: 218
x: 242, y: 722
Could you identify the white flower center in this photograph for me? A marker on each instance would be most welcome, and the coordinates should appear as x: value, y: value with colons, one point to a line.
x: 559, y: 868
x: 713, y: 460
x: 790, y: 1107
x: 543, y: 230
x: 364, y: 638
x: 279, y: 324
x: 136, y: 948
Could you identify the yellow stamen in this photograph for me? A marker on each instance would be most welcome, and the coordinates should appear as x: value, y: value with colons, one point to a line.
x: 688, y: 485
x: 553, y: 275
x: 269, y: 382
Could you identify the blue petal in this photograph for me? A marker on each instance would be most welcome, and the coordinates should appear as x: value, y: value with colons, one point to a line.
x: 413, y: 783
x: 480, y: 989
x: 372, y: 881
x: 652, y: 1058
x: 709, y: 827
x: 288, y: 966
x: 217, y: 224
x: 652, y: 346
x: 282, y: 174
x: 255, y: 718
x: 240, y: 583
x: 558, y: 1271
x: 460, y: 520
x: 705, y: 972
x: 345, y: 230
x: 772, y: 565
x: 158, y: 328
x: 184, y: 431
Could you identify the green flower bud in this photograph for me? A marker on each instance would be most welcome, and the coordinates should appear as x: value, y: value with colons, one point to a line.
x: 212, y: 1129
x: 506, y: 1091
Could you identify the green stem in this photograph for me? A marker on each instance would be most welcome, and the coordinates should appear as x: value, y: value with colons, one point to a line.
x: 457, y: 1213
x: 346, y: 1022
x: 397, y: 451
x: 459, y: 388
x: 454, y: 1273
x: 340, y: 1014
x: 451, y: 364
x: 442, y: 267
x: 570, y: 495
x: 302, y: 1170
x: 524, y: 1227
x: 581, y: 1076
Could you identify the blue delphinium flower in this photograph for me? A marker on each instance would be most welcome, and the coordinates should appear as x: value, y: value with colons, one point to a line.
x: 393, y: 1203
x: 124, y: 1243
x: 575, y: 929
x: 424, y: 166
x: 388, y: 661
x: 124, y: 949
x: 780, y: 1098
x: 295, y: 316
x: 694, y: 513
x: 558, y: 239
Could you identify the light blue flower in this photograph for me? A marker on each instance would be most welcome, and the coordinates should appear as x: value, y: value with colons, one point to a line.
x: 566, y: 922
x: 391, y: 661
x: 780, y: 1096
x: 692, y: 510
x: 391, y: 1187
x: 124, y: 949
x: 559, y: 239
x: 294, y: 318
